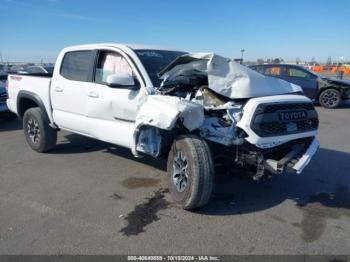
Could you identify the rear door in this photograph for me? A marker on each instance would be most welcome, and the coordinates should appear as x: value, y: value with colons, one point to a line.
x: 70, y: 88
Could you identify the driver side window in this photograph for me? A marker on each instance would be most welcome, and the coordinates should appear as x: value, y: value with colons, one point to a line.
x: 110, y: 63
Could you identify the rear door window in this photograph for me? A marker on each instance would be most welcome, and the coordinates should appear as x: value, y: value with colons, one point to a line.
x: 77, y: 65
x: 295, y: 72
x: 273, y: 71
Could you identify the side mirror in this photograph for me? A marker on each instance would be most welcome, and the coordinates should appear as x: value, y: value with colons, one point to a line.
x: 121, y: 80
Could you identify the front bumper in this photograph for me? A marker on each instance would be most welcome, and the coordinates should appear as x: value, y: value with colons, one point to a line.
x: 295, y: 161
x: 305, y: 159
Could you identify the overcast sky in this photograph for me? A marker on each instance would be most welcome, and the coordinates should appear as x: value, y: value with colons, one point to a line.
x: 32, y: 30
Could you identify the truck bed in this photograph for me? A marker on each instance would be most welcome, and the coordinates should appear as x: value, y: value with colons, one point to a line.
x: 21, y: 84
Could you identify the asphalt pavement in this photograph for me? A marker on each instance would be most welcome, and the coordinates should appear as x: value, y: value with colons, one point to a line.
x: 90, y: 197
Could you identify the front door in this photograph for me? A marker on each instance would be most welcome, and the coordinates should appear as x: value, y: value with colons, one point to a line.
x: 111, y: 111
x: 307, y: 81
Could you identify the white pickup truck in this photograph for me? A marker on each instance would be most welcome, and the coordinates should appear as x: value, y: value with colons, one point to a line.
x: 195, y: 109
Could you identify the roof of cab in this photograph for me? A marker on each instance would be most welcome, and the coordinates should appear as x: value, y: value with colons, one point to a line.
x: 276, y: 65
x: 121, y: 46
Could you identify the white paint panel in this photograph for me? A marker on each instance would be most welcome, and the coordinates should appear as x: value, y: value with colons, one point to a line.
x: 115, y: 132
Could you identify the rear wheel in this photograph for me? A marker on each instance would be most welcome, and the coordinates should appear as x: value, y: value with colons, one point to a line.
x: 39, y: 135
x: 330, y: 98
x: 190, y: 172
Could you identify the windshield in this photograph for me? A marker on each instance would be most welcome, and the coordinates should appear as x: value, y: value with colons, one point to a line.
x: 155, y: 60
x: 49, y: 69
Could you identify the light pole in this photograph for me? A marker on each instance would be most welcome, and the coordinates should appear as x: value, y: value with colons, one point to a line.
x: 242, y: 51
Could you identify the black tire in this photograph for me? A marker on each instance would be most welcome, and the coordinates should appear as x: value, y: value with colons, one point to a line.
x: 39, y: 135
x: 330, y: 98
x: 198, y: 176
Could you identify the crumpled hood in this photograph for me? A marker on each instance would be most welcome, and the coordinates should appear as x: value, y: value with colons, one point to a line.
x: 227, y: 77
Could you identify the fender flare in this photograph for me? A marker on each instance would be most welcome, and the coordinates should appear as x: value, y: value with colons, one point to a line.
x: 33, y: 97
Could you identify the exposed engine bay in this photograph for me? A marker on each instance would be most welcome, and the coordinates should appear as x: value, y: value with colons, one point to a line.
x: 252, y: 116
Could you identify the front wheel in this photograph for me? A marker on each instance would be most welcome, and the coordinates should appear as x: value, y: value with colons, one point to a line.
x: 39, y: 135
x: 330, y: 98
x: 190, y: 172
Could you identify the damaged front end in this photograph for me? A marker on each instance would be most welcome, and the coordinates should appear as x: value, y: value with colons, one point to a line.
x: 161, y: 115
x: 291, y: 157
x: 230, y: 106
x: 220, y: 124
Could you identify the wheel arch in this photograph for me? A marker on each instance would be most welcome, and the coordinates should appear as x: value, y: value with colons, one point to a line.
x: 329, y: 87
x: 165, y: 138
x: 26, y: 100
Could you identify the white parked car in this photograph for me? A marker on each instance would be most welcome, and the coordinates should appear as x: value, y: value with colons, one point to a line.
x: 186, y: 107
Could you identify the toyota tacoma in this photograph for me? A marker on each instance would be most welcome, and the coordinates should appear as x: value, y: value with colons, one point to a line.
x: 189, y: 108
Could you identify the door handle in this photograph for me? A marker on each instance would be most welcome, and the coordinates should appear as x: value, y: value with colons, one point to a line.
x: 58, y: 89
x: 93, y: 94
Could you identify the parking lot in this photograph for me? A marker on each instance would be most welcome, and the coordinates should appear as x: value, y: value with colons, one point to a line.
x: 89, y: 197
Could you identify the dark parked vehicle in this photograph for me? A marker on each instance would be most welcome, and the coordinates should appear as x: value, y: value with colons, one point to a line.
x: 37, y: 70
x: 329, y: 92
x: 4, y: 111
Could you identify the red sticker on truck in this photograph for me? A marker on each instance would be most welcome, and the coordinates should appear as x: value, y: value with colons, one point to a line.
x: 16, y: 78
